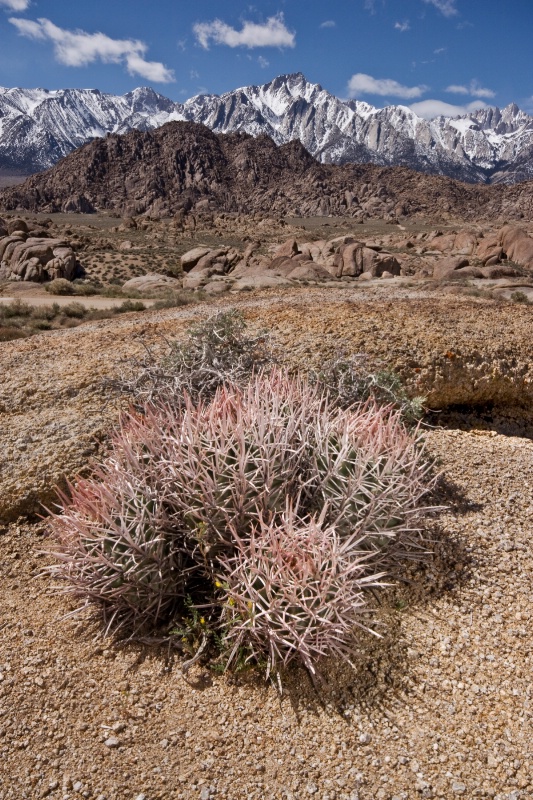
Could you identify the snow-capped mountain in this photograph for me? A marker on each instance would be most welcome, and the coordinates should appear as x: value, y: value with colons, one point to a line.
x: 38, y: 127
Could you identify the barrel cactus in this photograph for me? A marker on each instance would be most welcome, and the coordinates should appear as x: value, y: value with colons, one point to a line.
x: 271, y: 505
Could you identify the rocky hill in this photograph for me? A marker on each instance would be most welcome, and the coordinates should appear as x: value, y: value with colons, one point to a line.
x: 38, y: 127
x: 182, y: 166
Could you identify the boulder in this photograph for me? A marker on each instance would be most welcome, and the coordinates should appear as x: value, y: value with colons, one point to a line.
x: 489, y: 249
x: 205, y: 262
x: 517, y: 245
x: 152, y: 282
x: 499, y: 271
x: 351, y: 266
x: 281, y: 265
x: 308, y: 271
x: 443, y: 243
x: 465, y: 243
x: 192, y: 257
x: 447, y: 266
x: 375, y: 264
x: 216, y: 287
x: 33, y: 270
x: 467, y: 272
x: 194, y: 280
x: 6, y: 241
x: 34, y: 258
x: 287, y: 249
x: 17, y: 224
x: 78, y: 204
x: 250, y: 249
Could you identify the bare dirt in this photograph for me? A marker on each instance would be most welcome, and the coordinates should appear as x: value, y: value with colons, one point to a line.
x: 438, y: 707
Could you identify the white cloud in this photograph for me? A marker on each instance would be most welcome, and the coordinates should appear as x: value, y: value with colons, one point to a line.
x: 370, y: 5
x: 15, y: 5
x: 78, y: 48
x: 263, y: 62
x: 272, y: 33
x: 429, y: 109
x: 402, y: 26
x: 446, y: 7
x: 386, y: 87
x: 328, y: 23
x: 439, y: 51
x: 473, y: 89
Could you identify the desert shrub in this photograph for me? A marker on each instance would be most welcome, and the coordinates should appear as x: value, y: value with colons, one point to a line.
x: 519, y: 297
x: 86, y: 288
x: 129, y: 305
x: 9, y: 332
x: 273, y: 508
x: 47, y: 313
x: 215, y: 352
x: 351, y: 379
x: 74, y: 311
x: 60, y: 286
x: 176, y: 299
x: 15, y: 309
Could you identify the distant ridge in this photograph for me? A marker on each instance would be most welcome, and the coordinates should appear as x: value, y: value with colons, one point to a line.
x: 38, y: 127
x: 184, y: 166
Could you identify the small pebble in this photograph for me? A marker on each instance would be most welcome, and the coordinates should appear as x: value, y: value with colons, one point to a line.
x: 112, y: 742
x: 118, y: 727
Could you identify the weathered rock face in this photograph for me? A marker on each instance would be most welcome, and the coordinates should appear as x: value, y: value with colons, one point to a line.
x: 448, y: 266
x: 183, y: 166
x: 517, y: 245
x: 24, y: 257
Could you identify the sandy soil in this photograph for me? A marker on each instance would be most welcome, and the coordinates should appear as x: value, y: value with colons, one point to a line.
x: 439, y: 707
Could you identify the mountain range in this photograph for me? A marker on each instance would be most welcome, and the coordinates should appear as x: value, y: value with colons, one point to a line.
x: 38, y: 127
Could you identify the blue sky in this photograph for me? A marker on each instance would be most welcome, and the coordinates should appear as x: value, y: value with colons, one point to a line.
x: 437, y: 56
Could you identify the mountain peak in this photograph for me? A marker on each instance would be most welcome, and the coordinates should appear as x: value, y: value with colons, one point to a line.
x: 484, y: 146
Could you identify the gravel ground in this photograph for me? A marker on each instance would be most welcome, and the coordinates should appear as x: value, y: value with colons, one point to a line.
x: 438, y: 707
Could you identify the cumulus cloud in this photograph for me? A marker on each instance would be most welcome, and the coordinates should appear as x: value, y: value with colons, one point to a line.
x: 473, y: 89
x: 15, y: 5
x: 328, y: 23
x: 272, y: 33
x: 446, y: 7
x: 385, y: 87
x: 78, y: 48
x: 429, y: 109
x: 402, y: 26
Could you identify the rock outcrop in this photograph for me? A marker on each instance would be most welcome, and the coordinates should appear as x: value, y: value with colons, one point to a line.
x: 33, y: 255
x: 183, y: 168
